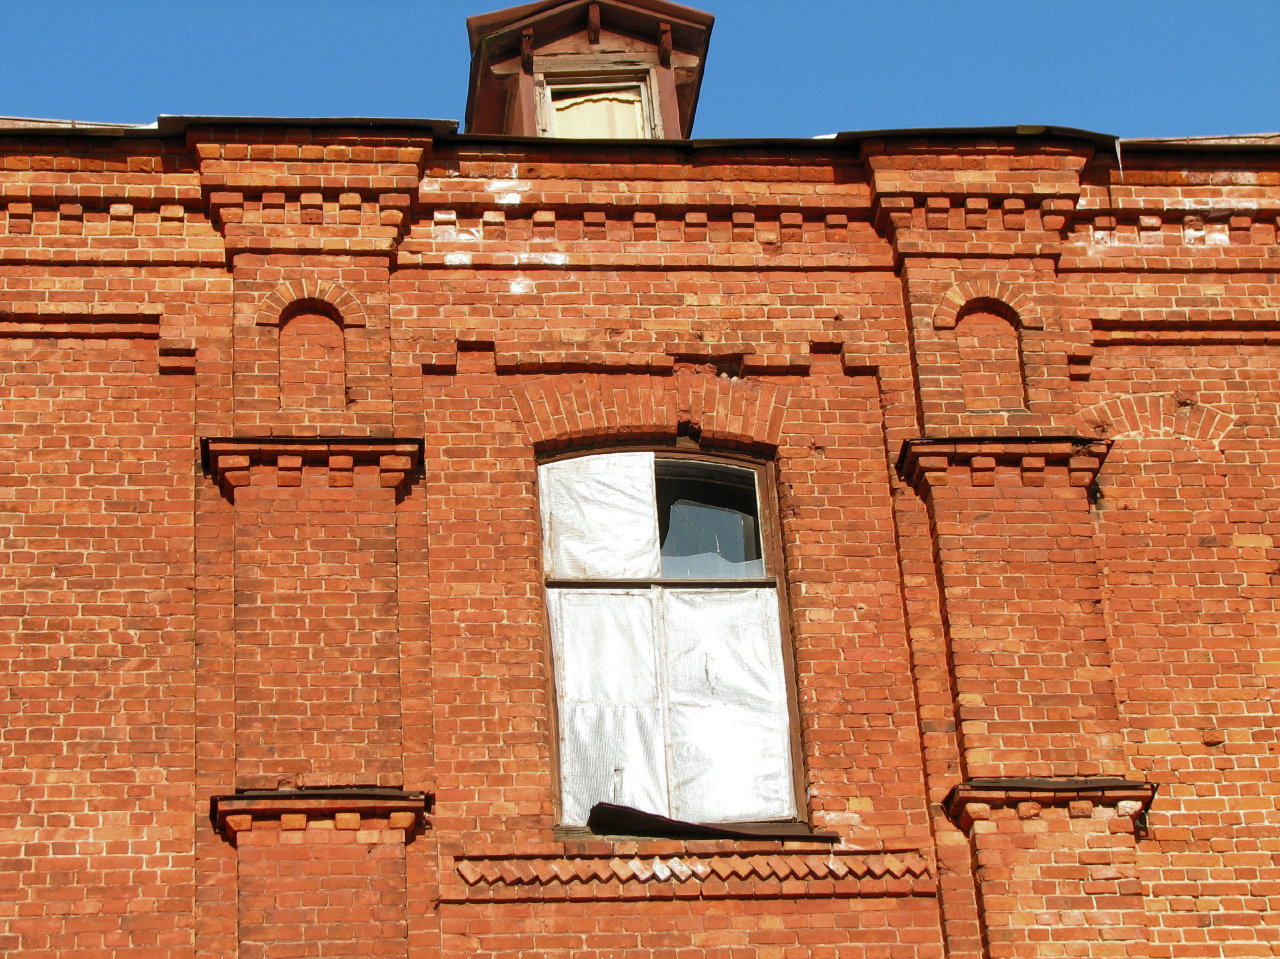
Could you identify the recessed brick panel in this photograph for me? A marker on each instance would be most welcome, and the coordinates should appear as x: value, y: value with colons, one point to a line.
x: 317, y: 668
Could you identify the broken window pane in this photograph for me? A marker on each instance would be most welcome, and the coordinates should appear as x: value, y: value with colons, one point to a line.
x: 708, y: 521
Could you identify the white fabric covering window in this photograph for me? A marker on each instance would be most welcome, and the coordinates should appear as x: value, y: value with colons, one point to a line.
x: 605, y: 112
x: 597, y: 517
x: 672, y: 698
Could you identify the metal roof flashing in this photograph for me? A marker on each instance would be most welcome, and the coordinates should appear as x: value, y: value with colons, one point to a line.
x: 177, y: 124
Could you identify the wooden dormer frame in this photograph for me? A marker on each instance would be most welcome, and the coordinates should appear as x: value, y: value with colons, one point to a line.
x: 515, y: 51
x: 646, y: 80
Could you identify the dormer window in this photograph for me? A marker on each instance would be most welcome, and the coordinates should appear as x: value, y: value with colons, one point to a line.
x: 596, y: 108
x: 587, y: 69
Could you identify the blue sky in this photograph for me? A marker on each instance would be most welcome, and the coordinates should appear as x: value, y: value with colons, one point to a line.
x: 777, y: 67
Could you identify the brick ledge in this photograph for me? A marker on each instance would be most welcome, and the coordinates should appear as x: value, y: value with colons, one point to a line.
x: 974, y: 799
x: 924, y: 461
x: 388, y: 462
x: 358, y: 810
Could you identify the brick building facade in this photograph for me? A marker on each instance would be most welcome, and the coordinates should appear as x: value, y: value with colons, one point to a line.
x: 278, y: 402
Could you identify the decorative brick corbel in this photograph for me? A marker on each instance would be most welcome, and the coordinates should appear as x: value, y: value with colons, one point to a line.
x: 1056, y: 213
x: 926, y: 463
x: 975, y: 799
x: 369, y: 815
x: 1080, y: 362
x: 231, y: 460
x: 893, y: 213
x: 226, y: 206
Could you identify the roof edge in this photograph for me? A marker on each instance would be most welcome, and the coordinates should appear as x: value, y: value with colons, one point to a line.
x: 175, y: 124
x: 172, y: 124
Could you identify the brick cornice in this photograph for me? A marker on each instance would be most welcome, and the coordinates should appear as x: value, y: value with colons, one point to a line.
x: 974, y: 799
x: 925, y: 462
x: 928, y: 209
x: 231, y: 460
x: 372, y: 814
x: 319, y: 198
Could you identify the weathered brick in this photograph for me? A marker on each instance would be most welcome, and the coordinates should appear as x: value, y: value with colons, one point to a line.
x: 272, y: 400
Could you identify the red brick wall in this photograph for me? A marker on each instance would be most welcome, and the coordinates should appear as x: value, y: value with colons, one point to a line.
x: 271, y: 405
x: 317, y: 671
x: 1031, y: 664
x: 1059, y: 882
x: 990, y: 354
x: 321, y: 893
x: 723, y: 929
x: 96, y: 753
x: 313, y: 362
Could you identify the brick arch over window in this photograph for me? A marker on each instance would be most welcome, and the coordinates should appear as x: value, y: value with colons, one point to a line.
x: 1158, y: 416
x: 954, y: 302
x: 272, y: 311
x: 600, y: 408
x: 989, y: 346
x: 312, y: 357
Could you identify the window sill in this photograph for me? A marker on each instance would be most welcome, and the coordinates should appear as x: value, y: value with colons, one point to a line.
x: 609, y: 821
x: 749, y: 582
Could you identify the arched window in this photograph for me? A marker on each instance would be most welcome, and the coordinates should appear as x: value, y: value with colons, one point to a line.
x: 312, y: 359
x: 662, y: 592
x: 990, y: 345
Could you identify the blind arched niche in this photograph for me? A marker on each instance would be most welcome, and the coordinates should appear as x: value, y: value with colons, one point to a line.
x: 989, y: 340
x: 313, y: 362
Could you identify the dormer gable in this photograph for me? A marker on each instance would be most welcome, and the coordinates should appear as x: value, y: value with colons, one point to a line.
x: 587, y: 69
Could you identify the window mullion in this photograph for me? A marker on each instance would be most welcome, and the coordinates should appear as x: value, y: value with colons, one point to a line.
x: 664, y: 689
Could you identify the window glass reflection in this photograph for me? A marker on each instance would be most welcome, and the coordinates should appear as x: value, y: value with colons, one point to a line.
x: 708, y: 521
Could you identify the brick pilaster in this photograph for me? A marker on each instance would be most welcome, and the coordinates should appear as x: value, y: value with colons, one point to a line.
x: 1014, y: 544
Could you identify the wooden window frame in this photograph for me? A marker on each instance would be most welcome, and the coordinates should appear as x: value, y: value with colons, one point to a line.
x: 770, y: 531
x: 643, y: 80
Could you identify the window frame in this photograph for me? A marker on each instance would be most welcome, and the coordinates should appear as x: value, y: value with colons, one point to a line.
x: 771, y: 546
x: 546, y: 84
